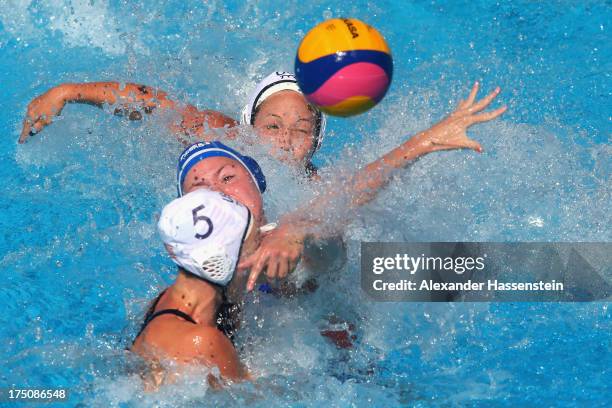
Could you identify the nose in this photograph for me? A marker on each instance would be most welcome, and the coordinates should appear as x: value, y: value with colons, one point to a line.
x: 284, y: 133
x: 285, y: 139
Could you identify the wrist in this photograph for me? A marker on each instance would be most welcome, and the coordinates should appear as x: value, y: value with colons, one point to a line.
x: 65, y: 93
x: 292, y: 231
x: 422, y: 144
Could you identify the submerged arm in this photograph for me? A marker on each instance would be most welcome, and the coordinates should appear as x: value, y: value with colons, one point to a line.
x: 130, y: 97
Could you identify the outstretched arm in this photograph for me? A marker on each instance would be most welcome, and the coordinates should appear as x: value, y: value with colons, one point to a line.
x: 130, y: 99
x: 285, y: 245
x: 448, y: 134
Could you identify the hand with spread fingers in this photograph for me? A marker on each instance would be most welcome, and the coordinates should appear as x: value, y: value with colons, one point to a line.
x: 278, y: 254
x: 450, y: 133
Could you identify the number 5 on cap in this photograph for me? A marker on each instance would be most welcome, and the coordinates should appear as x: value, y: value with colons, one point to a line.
x: 197, y: 218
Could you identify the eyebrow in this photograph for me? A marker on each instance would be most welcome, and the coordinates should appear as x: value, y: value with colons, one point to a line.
x: 311, y: 120
x: 221, y: 169
x: 215, y: 175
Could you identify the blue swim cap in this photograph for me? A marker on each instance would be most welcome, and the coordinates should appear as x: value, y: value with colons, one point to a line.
x: 202, y: 150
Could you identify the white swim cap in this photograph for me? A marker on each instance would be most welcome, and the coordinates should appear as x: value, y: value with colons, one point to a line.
x: 273, y: 83
x: 203, y: 231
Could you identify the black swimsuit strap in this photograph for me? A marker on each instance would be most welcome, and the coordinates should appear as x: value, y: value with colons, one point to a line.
x: 151, y: 314
x: 174, y: 312
x: 228, y: 316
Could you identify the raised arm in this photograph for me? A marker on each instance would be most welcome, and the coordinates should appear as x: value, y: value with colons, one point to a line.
x: 286, y: 244
x: 130, y: 99
x: 448, y: 134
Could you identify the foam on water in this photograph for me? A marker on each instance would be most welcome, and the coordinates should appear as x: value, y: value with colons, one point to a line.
x: 80, y: 257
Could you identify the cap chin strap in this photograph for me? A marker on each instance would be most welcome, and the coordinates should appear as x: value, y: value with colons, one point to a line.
x: 268, y: 227
x: 250, y: 228
x: 244, y: 115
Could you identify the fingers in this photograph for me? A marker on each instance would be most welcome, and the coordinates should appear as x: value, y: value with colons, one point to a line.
x: 272, y: 269
x: 30, y: 129
x: 39, y: 125
x: 252, y: 280
x: 466, y: 144
x: 472, y: 96
x: 256, y: 270
x: 246, y: 263
x: 474, y: 145
x: 277, y: 267
x: 484, y: 102
x: 466, y: 103
x: 25, y: 131
x: 283, y: 269
x: 287, y: 264
x: 463, y: 143
x: 487, y: 116
x: 291, y: 265
x: 33, y: 123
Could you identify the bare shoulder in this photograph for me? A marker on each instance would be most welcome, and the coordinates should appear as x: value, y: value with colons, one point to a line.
x: 211, y: 347
x: 190, y: 343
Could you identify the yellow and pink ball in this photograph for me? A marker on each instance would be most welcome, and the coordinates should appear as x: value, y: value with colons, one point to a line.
x: 344, y: 66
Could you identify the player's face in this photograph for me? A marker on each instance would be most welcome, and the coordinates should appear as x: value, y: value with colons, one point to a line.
x: 288, y: 123
x: 229, y: 177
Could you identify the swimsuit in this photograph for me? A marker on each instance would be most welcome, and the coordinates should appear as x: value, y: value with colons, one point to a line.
x: 227, y: 316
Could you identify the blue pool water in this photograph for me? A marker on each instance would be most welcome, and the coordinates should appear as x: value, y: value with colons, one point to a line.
x: 79, y: 255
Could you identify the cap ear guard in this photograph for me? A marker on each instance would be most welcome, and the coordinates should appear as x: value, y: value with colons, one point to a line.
x: 245, y: 115
x: 213, y: 264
